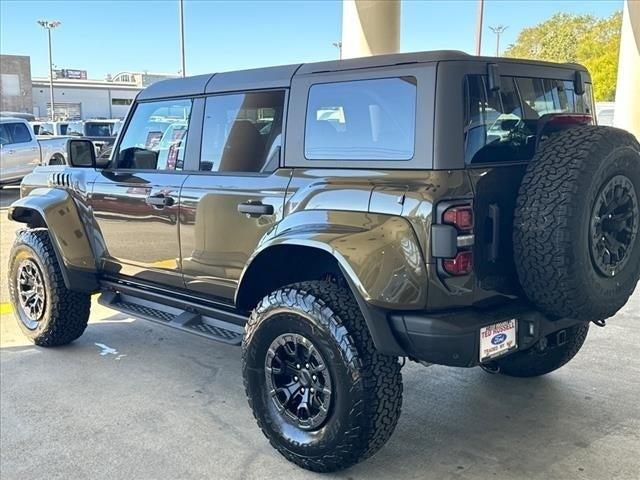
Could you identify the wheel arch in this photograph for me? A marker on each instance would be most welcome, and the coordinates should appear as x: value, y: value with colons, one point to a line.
x: 55, y: 210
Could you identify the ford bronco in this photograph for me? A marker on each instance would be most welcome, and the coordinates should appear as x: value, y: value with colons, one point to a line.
x: 336, y: 218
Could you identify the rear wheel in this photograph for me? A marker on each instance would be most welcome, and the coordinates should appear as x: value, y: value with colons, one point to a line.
x: 321, y: 393
x: 48, y: 313
x: 545, y: 357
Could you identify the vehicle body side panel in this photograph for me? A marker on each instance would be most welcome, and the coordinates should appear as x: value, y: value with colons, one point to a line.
x: 64, y: 211
x: 216, y: 240
x: 379, y: 253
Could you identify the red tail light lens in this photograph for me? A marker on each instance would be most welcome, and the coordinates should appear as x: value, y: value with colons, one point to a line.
x: 462, y: 264
x: 461, y: 217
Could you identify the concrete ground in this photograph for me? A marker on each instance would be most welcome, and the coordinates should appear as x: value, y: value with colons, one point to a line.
x: 131, y: 399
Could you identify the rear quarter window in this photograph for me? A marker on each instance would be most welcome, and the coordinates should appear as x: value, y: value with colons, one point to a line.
x: 361, y: 120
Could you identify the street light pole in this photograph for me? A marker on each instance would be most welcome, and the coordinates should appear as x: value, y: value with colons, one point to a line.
x: 50, y: 25
x: 498, y: 30
x: 181, y: 13
x: 479, y: 19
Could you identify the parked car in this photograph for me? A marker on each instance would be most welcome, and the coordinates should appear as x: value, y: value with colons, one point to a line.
x: 605, y: 112
x: 101, y: 132
x: 55, y: 128
x: 21, y: 151
x: 335, y: 217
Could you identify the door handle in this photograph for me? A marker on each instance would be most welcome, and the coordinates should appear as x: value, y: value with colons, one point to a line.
x: 159, y: 201
x: 255, y: 209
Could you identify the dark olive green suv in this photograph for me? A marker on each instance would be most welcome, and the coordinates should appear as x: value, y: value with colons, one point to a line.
x: 336, y: 217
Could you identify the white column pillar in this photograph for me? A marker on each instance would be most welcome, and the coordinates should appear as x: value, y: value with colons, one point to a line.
x: 370, y: 27
x: 627, y: 113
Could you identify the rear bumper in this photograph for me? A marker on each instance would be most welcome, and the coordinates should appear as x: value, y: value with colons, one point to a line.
x: 453, y: 338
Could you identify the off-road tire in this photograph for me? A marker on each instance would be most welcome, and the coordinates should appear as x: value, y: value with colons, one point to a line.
x: 552, y: 225
x: 66, y: 312
x: 367, y: 385
x: 533, y: 362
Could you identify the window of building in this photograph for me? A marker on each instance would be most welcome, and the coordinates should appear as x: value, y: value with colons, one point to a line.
x: 361, y: 120
x: 156, y: 136
x: 502, y: 126
x: 121, y: 101
x: 242, y: 132
x: 10, y: 84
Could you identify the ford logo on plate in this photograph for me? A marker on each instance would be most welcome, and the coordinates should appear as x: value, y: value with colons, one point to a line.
x: 498, y: 339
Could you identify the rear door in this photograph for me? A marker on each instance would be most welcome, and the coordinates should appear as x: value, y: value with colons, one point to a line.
x: 237, y: 195
x: 136, y: 201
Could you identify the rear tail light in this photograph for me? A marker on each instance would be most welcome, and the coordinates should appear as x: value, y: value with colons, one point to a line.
x: 456, y: 258
x: 462, y: 264
x: 460, y: 216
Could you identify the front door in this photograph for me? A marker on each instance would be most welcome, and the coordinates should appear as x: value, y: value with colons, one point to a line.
x: 238, y: 195
x: 136, y: 201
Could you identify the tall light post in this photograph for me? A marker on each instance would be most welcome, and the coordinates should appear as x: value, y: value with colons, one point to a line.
x: 498, y: 30
x: 181, y: 14
x: 50, y: 25
x: 338, y: 45
x: 479, y: 18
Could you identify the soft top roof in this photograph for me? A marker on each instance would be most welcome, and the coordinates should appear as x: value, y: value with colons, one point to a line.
x: 280, y: 76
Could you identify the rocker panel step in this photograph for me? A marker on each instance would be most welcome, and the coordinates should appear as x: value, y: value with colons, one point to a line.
x: 181, y: 319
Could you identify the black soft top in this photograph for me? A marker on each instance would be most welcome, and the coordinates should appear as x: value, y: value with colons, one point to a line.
x: 281, y: 76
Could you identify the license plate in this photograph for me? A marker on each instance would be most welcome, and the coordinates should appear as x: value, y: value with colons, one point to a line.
x: 498, y: 339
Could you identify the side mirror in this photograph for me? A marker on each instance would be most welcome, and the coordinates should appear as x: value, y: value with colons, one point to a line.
x: 81, y: 153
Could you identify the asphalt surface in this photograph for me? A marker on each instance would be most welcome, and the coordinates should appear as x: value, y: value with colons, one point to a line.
x: 131, y: 399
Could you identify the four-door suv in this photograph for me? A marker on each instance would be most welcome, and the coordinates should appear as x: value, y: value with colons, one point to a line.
x: 333, y: 217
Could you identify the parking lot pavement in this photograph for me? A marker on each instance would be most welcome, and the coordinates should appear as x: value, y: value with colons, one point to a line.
x: 131, y: 399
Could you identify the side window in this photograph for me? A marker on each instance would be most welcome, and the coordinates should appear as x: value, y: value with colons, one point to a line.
x: 75, y: 129
x: 156, y: 136
x: 18, y: 132
x: 63, y: 128
x: 242, y: 132
x: 361, y: 120
x: 5, y: 138
x: 45, y: 129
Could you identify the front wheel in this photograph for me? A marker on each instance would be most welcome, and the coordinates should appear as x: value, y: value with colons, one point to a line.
x: 48, y: 313
x: 321, y: 393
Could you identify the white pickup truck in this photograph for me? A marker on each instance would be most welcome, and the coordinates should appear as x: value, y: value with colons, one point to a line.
x: 21, y: 151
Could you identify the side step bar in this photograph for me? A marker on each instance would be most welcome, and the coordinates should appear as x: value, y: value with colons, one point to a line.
x: 222, y: 326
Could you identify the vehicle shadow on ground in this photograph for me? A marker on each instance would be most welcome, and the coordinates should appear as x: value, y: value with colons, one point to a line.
x: 455, y: 421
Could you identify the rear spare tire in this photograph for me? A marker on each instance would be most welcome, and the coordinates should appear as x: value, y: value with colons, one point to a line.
x: 576, y: 239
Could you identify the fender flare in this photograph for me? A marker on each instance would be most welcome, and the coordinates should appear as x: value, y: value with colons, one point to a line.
x: 379, y: 256
x: 55, y: 209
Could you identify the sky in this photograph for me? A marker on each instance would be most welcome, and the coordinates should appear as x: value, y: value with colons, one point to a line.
x: 107, y: 37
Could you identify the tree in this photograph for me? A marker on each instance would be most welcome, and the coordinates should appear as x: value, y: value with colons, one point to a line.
x: 585, y: 39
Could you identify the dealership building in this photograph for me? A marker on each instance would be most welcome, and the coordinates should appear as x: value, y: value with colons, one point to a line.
x: 75, y: 96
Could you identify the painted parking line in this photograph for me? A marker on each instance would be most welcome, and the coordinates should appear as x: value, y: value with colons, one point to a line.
x: 5, y: 308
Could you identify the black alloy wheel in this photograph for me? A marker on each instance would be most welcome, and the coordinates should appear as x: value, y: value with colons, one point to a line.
x: 614, y: 225
x: 298, y: 380
x: 31, y: 293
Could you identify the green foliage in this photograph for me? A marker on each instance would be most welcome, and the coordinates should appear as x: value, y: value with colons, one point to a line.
x: 585, y: 39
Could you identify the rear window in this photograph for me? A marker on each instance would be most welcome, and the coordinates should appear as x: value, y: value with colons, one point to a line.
x: 98, y: 129
x: 501, y: 126
x: 361, y: 120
